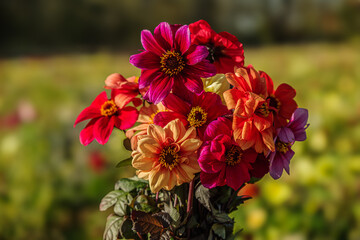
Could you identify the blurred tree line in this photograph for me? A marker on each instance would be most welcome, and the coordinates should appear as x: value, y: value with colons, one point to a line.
x: 47, y: 26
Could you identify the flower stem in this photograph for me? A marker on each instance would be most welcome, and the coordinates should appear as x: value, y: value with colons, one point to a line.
x: 190, y: 197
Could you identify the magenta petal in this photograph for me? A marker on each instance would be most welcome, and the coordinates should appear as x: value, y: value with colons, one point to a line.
x: 217, y: 127
x: 286, y: 135
x: 126, y: 118
x: 163, y: 118
x: 236, y: 176
x: 147, y: 77
x: 211, y: 180
x: 150, y: 44
x: 208, y: 163
x: 103, y: 128
x: 195, y: 85
x: 199, y: 54
x: 159, y: 89
x: 202, y: 69
x: 182, y: 38
x: 87, y: 134
x: 163, y: 35
x: 145, y: 60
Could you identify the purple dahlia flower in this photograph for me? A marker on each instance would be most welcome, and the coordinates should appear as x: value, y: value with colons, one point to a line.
x: 169, y: 61
x: 286, y: 136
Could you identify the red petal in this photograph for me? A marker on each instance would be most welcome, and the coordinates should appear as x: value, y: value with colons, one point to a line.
x: 163, y: 35
x: 145, y: 60
x: 150, y: 44
x: 159, y: 89
x: 88, y: 113
x: 202, y: 69
x: 126, y: 118
x: 199, y: 54
x: 182, y: 39
x: 163, y: 118
x: 103, y: 128
x: 147, y: 76
x: 176, y: 104
x: 87, y: 134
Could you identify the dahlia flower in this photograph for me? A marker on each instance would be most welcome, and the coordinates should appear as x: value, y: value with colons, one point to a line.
x: 221, y: 159
x: 167, y: 156
x: 105, y: 115
x: 198, y: 112
x: 225, y: 50
x: 169, y: 61
x: 216, y: 84
x: 286, y: 136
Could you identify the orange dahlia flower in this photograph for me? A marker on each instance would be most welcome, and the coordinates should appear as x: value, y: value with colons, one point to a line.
x: 167, y: 156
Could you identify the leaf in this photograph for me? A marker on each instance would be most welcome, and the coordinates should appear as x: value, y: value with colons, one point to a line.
x: 219, y: 230
x: 128, y: 185
x: 124, y: 163
x: 126, y: 230
x: 144, y: 203
x: 145, y: 223
x: 202, y: 194
x: 113, y: 223
x: 236, y: 202
x: 120, y: 208
x: 127, y: 144
x: 254, y: 180
x: 173, y: 213
x: 110, y: 199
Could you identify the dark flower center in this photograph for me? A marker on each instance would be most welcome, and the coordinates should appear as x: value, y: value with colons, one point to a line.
x: 169, y: 157
x: 263, y: 110
x: 108, y: 108
x: 281, y: 146
x: 274, y: 103
x: 172, y: 63
x: 233, y: 156
x: 214, y: 53
x: 197, y: 117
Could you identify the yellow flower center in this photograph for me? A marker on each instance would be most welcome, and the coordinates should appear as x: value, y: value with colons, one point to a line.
x: 274, y: 102
x: 233, y: 156
x: 263, y: 109
x: 172, y: 63
x: 197, y: 117
x: 281, y: 146
x: 109, y: 108
x: 169, y: 157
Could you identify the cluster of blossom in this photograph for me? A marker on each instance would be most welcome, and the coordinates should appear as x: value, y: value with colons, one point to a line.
x: 198, y: 109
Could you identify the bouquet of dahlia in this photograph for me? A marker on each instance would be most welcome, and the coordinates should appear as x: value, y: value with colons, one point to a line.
x: 200, y: 126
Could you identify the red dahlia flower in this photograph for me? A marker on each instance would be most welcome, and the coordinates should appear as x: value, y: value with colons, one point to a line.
x: 225, y: 50
x: 105, y: 115
x: 281, y: 102
x: 198, y: 112
x: 170, y: 61
x: 221, y: 159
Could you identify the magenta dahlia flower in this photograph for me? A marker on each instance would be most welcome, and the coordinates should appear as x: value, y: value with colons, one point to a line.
x: 221, y: 159
x: 286, y: 136
x: 105, y: 115
x: 169, y: 61
x: 198, y: 111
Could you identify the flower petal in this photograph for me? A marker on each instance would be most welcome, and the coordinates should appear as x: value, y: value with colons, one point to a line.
x: 126, y: 118
x: 182, y: 39
x: 163, y: 35
x: 159, y: 89
x: 87, y: 134
x: 145, y: 60
x: 286, y: 135
x: 150, y: 44
x: 199, y: 54
x: 103, y: 128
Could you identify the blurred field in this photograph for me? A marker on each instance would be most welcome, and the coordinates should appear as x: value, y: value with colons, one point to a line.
x: 50, y: 185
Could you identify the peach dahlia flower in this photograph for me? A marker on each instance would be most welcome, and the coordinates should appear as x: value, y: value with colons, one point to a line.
x: 167, y: 156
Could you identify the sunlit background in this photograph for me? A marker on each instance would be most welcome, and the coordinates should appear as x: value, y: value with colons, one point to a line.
x: 55, y: 56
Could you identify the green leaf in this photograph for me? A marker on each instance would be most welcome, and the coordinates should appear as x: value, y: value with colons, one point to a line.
x: 202, y: 194
x: 128, y: 185
x: 219, y: 230
x: 145, y: 203
x: 110, y: 199
x: 124, y: 163
x: 174, y: 214
x: 112, y: 227
x: 254, y: 180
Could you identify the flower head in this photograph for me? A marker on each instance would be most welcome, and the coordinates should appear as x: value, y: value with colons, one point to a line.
x: 225, y: 50
x: 221, y: 159
x: 169, y: 61
x: 105, y: 115
x: 167, y: 156
x: 286, y: 136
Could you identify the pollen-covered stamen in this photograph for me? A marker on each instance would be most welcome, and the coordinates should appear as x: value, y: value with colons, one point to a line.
x: 263, y: 109
x: 281, y: 146
x: 197, y: 117
x: 274, y: 103
x: 169, y: 157
x: 233, y: 156
x: 108, y: 108
x: 172, y: 63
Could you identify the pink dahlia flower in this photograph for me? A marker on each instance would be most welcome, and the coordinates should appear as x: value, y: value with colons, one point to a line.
x: 169, y: 61
x: 286, y: 136
x: 105, y: 115
x: 221, y: 159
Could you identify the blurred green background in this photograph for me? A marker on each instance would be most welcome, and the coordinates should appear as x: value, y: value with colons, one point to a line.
x: 55, y: 55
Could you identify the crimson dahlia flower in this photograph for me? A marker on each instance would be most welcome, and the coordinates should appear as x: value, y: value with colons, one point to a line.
x: 105, y: 115
x: 169, y: 61
x: 225, y: 50
x: 221, y: 159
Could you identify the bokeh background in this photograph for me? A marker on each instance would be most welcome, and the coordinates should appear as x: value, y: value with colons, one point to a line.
x: 55, y: 56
